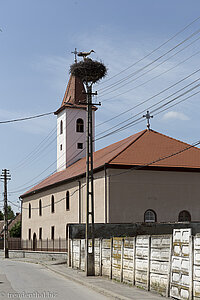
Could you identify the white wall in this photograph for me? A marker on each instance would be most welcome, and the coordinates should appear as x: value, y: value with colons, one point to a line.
x: 69, y: 139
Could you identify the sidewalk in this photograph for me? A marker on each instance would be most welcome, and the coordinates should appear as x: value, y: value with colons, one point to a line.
x: 101, y: 285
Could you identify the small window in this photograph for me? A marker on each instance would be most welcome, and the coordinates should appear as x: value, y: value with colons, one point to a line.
x: 61, y: 127
x: 29, y: 234
x: 60, y: 147
x: 67, y: 200
x: 79, y: 125
x: 52, y: 232
x: 52, y: 204
x: 40, y: 207
x: 29, y: 210
x: 184, y: 216
x: 79, y: 145
x: 150, y: 216
x: 40, y: 233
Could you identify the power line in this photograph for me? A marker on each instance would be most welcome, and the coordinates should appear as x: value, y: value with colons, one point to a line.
x: 116, y: 130
x: 136, y: 72
x: 182, y: 30
x: 148, y: 99
x: 27, y: 118
x: 135, y: 122
x: 122, y: 172
x: 130, y: 124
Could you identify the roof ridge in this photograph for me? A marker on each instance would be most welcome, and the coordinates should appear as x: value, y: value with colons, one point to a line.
x: 141, y: 134
x: 169, y: 137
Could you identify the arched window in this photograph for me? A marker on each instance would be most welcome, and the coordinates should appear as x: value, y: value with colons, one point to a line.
x: 184, y: 216
x: 61, y: 127
x: 29, y: 210
x: 67, y: 200
x: 40, y: 207
x: 150, y: 216
x: 52, y: 204
x: 79, y: 125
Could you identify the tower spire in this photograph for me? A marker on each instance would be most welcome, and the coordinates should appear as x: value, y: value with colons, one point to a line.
x: 148, y: 117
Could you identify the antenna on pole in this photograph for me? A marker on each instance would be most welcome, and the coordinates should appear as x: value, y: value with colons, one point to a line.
x: 148, y: 117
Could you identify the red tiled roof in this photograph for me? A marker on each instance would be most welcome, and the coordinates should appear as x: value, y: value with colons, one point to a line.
x: 141, y: 148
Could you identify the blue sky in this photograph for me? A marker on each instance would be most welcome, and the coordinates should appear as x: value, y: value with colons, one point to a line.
x: 36, y: 42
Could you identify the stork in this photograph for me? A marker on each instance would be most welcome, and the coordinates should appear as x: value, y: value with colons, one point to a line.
x: 85, y: 54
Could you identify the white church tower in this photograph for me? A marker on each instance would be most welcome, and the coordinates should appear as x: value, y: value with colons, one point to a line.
x: 71, y: 124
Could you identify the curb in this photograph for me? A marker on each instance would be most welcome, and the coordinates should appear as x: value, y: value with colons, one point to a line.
x: 89, y: 285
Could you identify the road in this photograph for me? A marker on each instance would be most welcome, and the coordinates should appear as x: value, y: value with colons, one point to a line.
x: 20, y: 280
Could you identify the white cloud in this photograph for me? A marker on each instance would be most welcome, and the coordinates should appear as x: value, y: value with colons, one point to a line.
x: 175, y: 115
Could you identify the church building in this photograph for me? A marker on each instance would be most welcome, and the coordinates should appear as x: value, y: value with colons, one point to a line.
x: 147, y: 177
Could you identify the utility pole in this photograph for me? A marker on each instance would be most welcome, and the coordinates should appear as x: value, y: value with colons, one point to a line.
x: 5, y: 176
x: 89, y: 231
x: 89, y: 72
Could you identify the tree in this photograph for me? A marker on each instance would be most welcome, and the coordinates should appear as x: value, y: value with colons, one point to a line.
x: 1, y: 216
x: 11, y: 214
x: 15, y: 231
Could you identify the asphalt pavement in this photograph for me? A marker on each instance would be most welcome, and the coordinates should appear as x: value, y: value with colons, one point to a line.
x: 29, y: 275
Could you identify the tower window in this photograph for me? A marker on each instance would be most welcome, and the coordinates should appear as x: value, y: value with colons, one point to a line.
x: 60, y: 147
x: 79, y: 145
x: 52, y: 204
x: 61, y: 127
x: 29, y: 210
x: 150, y: 216
x: 67, y: 200
x: 40, y: 207
x: 184, y: 216
x: 79, y: 125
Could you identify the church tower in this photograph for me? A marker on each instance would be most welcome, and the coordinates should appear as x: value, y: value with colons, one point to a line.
x: 71, y: 124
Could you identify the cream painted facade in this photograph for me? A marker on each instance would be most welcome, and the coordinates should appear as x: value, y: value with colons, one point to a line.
x: 120, y: 198
x: 61, y: 217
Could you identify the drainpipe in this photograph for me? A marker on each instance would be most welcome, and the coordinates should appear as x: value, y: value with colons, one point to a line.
x: 79, y: 201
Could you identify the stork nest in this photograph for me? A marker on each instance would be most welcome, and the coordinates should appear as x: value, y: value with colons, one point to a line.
x: 89, y: 70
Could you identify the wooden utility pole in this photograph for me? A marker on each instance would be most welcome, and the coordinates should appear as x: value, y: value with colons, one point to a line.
x: 5, y: 176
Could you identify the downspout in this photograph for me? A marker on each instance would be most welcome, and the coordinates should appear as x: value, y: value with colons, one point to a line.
x: 106, y: 196
x: 79, y: 201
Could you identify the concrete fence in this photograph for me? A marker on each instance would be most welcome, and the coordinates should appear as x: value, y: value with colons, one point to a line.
x: 166, y: 264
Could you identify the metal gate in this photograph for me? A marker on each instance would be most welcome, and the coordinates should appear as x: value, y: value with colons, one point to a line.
x: 181, y: 267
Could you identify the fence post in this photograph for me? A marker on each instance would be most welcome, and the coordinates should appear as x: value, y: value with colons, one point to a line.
x: 134, y: 259
x: 47, y: 245
x: 80, y: 254
x: 111, y: 255
x: 169, y: 268
x: 53, y: 245
x: 100, y: 257
x: 72, y: 254
x: 59, y: 245
x: 122, y: 257
x: 149, y: 263
x: 191, y: 255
